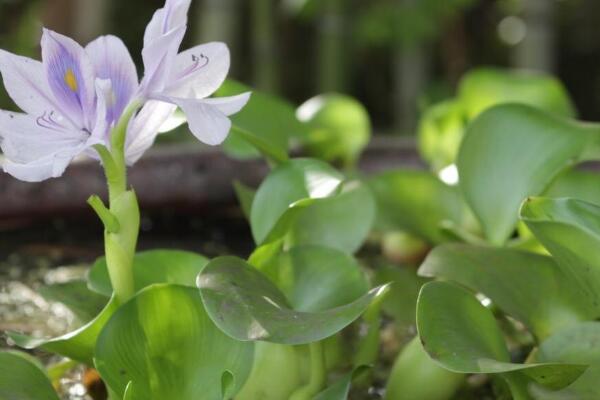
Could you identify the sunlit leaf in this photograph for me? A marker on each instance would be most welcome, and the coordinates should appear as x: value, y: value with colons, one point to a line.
x: 292, y: 182
x: 248, y: 306
x: 22, y: 378
x: 483, y: 88
x: 164, y: 343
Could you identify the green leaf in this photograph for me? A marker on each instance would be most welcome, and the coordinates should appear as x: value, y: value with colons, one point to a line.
x: 575, y: 344
x: 578, y: 184
x: 483, y: 88
x: 285, y: 187
x: 527, y: 286
x: 341, y: 222
x: 513, y: 151
x: 245, y: 196
x: 416, y: 201
x: 570, y: 230
x: 463, y: 336
x: 164, y: 343
x: 339, y: 127
x: 153, y: 266
x: 416, y: 376
x: 84, y: 303
x: 440, y: 133
x: 248, y: 306
x: 277, y: 372
x: 265, y: 124
x: 401, y: 300
x: 77, y: 345
x: 314, y: 278
x: 341, y: 389
x: 23, y: 378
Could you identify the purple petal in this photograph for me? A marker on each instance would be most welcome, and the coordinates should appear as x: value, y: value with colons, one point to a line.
x: 202, y: 68
x: 70, y: 76
x: 205, y: 121
x: 111, y: 60
x: 172, y: 16
x: 144, y: 128
x: 25, y: 82
x: 33, y: 151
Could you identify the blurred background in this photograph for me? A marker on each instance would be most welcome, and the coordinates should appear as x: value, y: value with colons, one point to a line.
x: 395, y: 56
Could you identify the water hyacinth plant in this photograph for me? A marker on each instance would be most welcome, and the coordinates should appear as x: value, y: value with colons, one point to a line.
x: 492, y: 251
x: 166, y: 324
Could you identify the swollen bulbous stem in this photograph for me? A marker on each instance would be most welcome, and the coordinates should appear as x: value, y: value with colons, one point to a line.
x: 122, y: 219
x: 318, y: 374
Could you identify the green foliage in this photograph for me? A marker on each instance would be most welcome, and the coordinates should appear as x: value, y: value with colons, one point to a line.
x: 163, y: 342
x: 338, y: 127
x: 248, y: 306
x: 496, y: 174
x: 443, y: 125
x: 23, y: 378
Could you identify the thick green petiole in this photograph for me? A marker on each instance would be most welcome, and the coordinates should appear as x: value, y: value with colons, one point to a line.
x: 318, y: 374
x: 122, y: 219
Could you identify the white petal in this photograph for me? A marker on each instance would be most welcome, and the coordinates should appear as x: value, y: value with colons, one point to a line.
x: 34, y: 152
x: 205, y: 121
x: 202, y: 68
x: 229, y: 105
x: 25, y: 82
x: 159, y: 58
x: 143, y: 129
x: 172, y: 16
x: 111, y: 60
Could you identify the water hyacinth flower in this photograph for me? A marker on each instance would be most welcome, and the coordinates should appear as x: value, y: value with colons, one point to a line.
x: 74, y: 96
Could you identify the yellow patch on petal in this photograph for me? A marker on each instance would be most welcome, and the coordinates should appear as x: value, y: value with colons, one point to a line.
x: 71, y: 80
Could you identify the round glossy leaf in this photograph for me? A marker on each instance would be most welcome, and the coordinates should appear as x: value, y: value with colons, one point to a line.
x: 77, y: 345
x: 570, y: 230
x: 341, y: 222
x: 463, y: 336
x: 154, y: 266
x: 248, y: 306
x: 286, y: 185
x: 22, y: 378
x: 527, y: 286
x: 164, y: 343
x: 314, y: 278
x: 416, y: 201
x: 513, y: 151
